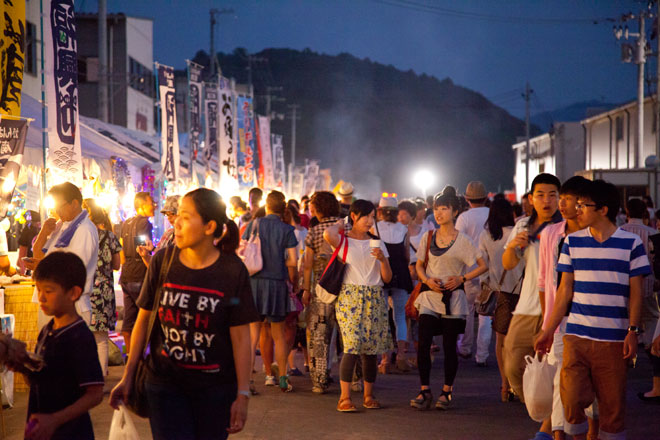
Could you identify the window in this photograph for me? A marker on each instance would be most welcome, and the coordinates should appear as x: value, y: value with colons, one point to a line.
x: 31, y: 49
x: 619, y: 128
x: 141, y: 78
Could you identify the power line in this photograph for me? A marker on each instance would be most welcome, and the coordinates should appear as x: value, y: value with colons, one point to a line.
x: 455, y: 13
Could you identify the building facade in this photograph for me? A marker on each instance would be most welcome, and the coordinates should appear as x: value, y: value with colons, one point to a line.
x: 559, y: 152
x: 131, y: 87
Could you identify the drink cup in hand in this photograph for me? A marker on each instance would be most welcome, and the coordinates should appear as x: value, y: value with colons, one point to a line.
x: 374, y: 244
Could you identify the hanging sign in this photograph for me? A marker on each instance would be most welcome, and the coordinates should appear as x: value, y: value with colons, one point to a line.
x: 279, y: 170
x: 12, y: 54
x: 265, y: 155
x: 245, y: 154
x: 211, y: 120
x: 169, y: 137
x: 195, y: 89
x: 12, y: 143
x: 64, y: 160
x: 227, y: 169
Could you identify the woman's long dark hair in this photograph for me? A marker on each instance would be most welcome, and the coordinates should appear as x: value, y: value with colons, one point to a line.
x: 499, y: 217
x: 209, y: 206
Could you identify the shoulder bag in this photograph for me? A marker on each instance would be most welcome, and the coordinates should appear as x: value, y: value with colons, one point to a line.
x: 251, y: 254
x: 411, y: 310
x: 487, y: 299
x: 332, y: 278
x: 137, y: 400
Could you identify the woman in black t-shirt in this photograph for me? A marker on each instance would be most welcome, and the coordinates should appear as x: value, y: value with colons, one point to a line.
x: 199, y: 366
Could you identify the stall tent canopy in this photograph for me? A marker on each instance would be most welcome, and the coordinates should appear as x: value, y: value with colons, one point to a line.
x: 99, y: 141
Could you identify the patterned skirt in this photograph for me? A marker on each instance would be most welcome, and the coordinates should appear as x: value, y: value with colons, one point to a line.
x: 362, y: 318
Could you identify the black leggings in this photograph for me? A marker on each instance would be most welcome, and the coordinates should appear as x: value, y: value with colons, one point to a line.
x: 430, y: 326
x: 369, y: 367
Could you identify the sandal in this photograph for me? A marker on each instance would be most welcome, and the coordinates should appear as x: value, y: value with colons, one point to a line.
x: 253, y: 389
x: 423, y: 401
x: 370, y: 402
x: 346, y: 405
x: 285, y: 385
x: 444, y: 401
x: 385, y: 368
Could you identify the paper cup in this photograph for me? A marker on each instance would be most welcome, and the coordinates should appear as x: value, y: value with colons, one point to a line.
x: 374, y: 243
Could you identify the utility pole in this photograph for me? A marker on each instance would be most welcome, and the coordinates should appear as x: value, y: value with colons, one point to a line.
x: 292, y: 165
x: 270, y: 99
x: 215, y: 64
x: 640, y: 59
x: 527, y: 96
x: 253, y: 59
x: 636, y: 54
x: 103, y: 62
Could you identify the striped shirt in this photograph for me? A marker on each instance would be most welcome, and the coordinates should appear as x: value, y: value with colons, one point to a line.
x: 601, y: 287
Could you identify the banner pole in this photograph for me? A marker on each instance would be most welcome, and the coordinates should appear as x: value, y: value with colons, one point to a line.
x: 44, y: 122
x: 190, y: 104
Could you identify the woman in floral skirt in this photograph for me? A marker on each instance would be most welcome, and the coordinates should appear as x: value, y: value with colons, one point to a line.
x: 361, y: 305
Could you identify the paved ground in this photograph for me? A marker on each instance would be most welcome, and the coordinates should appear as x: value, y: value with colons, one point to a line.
x: 476, y: 414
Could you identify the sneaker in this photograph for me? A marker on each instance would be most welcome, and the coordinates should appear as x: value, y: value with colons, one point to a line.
x: 275, y: 369
x: 270, y: 381
x: 295, y: 372
x: 356, y: 386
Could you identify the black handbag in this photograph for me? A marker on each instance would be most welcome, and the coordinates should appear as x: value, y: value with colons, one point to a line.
x: 332, y: 278
x: 136, y: 401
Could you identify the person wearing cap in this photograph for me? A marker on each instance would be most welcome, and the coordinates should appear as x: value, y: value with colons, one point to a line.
x: 395, y: 237
x: 471, y: 223
x: 346, y: 194
x: 170, y: 210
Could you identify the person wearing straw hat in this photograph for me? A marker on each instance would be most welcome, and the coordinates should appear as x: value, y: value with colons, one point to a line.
x: 346, y: 194
x: 471, y: 223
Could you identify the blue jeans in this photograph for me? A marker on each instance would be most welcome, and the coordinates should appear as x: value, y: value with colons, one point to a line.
x: 399, y: 299
x: 201, y: 413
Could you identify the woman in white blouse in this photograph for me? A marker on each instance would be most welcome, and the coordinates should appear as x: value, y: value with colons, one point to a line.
x: 361, y: 306
x: 442, y: 303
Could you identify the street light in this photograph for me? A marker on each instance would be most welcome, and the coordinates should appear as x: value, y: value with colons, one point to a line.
x: 423, y: 179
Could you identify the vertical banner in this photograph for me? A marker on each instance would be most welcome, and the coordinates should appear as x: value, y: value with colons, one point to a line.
x: 64, y: 160
x: 169, y: 134
x: 12, y: 142
x: 227, y: 170
x: 245, y: 153
x: 211, y: 121
x: 265, y: 155
x: 311, y: 175
x: 279, y: 169
x: 195, y: 95
x: 12, y: 55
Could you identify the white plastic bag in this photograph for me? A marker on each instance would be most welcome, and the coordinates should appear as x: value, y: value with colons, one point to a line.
x: 537, y: 387
x: 122, y: 427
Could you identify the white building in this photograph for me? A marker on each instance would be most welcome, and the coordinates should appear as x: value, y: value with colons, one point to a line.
x: 559, y: 152
x: 612, y: 152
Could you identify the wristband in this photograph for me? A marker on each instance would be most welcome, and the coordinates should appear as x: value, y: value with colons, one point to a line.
x: 244, y: 393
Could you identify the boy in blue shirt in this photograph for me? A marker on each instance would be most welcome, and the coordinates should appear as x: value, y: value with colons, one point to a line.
x: 70, y: 382
x: 602, y: 268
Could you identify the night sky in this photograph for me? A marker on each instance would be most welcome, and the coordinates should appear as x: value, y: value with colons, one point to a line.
x: 490, y: 46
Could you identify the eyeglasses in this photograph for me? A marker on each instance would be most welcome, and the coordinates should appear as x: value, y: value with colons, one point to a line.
x: 582, y: 206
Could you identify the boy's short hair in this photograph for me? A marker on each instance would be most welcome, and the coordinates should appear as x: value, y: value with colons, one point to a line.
x: 547, y: 178
x: 636, y: 208
x: 65, y: 269
x: 408, y: 206
x: 603, y: 194
x: 140, y: 199
x: 572, y: 186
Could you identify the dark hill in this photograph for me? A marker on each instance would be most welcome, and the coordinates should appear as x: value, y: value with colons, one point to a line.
x: 375, y: 125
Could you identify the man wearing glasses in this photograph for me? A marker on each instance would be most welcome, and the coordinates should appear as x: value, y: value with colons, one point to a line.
x: 74, y: 232
x: 603, y: 267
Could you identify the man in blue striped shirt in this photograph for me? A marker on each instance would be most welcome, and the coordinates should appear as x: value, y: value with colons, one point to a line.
x: 602, y: 267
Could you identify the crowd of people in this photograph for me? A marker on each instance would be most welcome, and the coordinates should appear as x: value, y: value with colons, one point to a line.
x: 567, y: 275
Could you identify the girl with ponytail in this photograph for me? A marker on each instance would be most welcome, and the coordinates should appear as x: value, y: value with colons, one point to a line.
x: 197, y: 384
